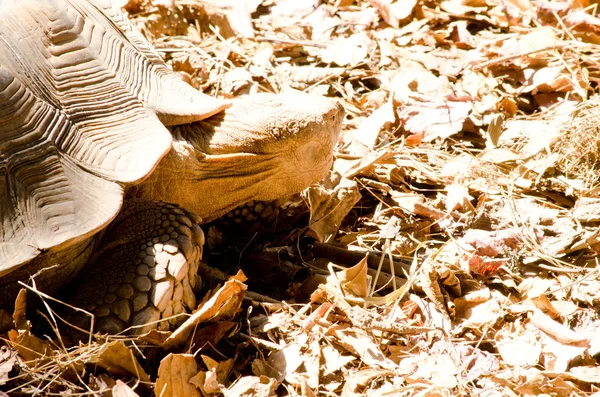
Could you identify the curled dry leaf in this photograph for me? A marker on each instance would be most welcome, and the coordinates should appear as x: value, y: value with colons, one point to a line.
x: 330, y: 202
x: 587, y: 209
x: 19, y: 313
x: 174, y: 374
x: 210, y: 335
x: 211, y: 381
x: 223, y: 304
x: 240, y: 17
x: 220, y: 369
x: 414, y: 84
x: 438, y: 278
x: 353, y: 281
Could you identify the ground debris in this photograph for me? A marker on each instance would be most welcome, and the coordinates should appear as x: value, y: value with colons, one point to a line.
x: 452, y: 251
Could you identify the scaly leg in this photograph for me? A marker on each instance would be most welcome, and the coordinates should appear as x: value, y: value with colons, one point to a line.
x: 145, y: 270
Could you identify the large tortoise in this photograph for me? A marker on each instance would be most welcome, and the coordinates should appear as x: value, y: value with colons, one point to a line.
x: 84, y: 101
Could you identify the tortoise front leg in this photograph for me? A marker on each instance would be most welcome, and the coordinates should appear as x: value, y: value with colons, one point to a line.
x: 145, y: 271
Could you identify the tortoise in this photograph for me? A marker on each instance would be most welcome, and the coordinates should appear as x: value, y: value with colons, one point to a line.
x: 109, y: 161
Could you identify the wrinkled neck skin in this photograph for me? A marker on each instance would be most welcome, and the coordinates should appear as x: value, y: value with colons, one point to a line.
x: 263, y: 147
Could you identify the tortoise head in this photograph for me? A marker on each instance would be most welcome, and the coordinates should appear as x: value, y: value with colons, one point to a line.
x: 263, y: 147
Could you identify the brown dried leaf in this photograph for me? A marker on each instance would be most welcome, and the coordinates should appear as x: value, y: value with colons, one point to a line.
x: 517, y: 8
x: 481, y: 265
x: 234, y: 81
x: 353, y: 281
x: 329, y: 203
x: 294, y: 8
x: 119, y: 360
x: 174, y: 374
x: 102, y: 381
x: 132, y: 6
x: 224, y: 303
x: 31, y: 348
x: 240, y: 17
x: 500, y: 156
x: 582, y: 21
x: 216, y: 16
x: 458, y: 8
x: 460, y: 35
x: 19, y: 314
x: 415, y: 84
x: 211, y: 381
x: 479, y: 309
x: 155, y: 337
x: 366, y: 16
x: 210, y: 335
x: 222, y: 369
x: 587, y: 209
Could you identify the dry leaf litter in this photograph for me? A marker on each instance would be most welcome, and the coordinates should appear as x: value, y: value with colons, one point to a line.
x: 451, y: 252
